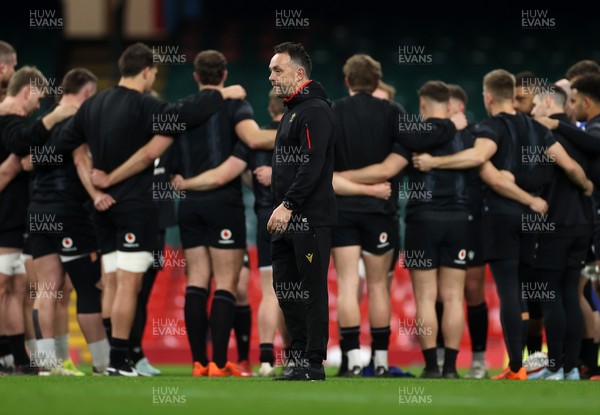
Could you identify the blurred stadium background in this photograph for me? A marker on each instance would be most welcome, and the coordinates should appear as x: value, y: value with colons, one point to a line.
x: 463, y: 43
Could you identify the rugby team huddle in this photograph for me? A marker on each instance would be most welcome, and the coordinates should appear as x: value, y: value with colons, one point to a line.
x: 87, y: 191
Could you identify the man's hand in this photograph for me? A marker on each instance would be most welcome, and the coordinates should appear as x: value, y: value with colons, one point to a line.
x: 539, y: 206
x: 589, y: 188
x: 279, y: 219
x: 548, y: 122
x: 100, y: 179
x: 423, y: 161
x: 103, y: 201
x: 178, y: 182
x: 263, y: 175
x: 26, y: 163
x: 380, y: 190
x: 233, y: 92
x: 63, y: 111
x: 459, y: 120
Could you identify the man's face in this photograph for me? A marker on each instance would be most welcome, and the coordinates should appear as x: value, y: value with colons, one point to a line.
x: 7, y: 68
x: 578, y: 105
x: 523, y: 100
x: 284, y: 75
x: 455, y: 106
x: 150, y: 77
x: 33, y: 97
x: 539, y: 107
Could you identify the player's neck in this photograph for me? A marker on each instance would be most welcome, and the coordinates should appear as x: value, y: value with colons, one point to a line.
x: 133, y: 83
x: 12, y: 106
x: 506, y: 107
x: 217, y: 87
x: 594, y: 114
x: 71, y: 100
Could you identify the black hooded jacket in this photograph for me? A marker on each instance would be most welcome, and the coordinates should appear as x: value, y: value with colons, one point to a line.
x: 303, y: 156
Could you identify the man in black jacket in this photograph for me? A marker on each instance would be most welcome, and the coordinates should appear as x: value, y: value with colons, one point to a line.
x: 306, y: 209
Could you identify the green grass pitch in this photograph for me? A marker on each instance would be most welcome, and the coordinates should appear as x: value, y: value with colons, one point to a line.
x: 176, y: 392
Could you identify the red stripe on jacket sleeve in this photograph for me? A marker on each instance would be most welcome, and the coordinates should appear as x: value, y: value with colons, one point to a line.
x: 308, y: 137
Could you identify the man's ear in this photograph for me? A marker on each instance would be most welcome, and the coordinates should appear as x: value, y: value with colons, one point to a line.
x: 225, y: 74
x: 196, y: 77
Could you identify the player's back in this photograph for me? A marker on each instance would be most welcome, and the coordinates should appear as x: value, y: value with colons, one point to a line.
x: 210, y: 144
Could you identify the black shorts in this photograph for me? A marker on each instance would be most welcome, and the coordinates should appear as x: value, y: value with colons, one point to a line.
x: 560, y: 253
x: 475, y: 243
x: 436, y: 243
x: 374, y: 233
x: 263, y: 237
x: 127, y: 229
x: 212, y: 224
x: 501, y: 237
x: 76, y: 238
x: 12, y: 238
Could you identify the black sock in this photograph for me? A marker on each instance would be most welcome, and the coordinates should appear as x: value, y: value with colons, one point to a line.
x: 196, y: 322
x: 266, y: 353
x: 242, y: 322
x: 534, y: 344
x: 430, y: 356
x: 439, y: 312
x: 221, y: 321
x: 107, y: 327
x: 349, y: 338
x: 450, y: 360
x: 380, y: 338
x: 16, y: 342
x: 589, y: 350
x: 478, y: 326
x: 4, y: 346
x: 119, y: 349
x: 524, y: 333
x: 136, y: 353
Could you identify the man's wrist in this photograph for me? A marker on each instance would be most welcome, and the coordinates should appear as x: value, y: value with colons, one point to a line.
x: 288, y: 204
